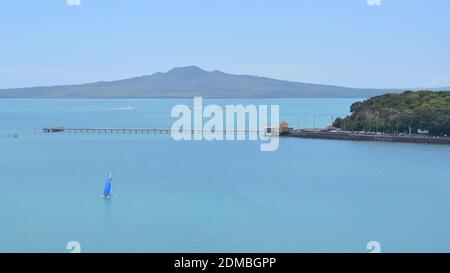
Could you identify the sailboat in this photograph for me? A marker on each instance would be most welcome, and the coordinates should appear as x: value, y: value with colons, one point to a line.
x: 108, y: 185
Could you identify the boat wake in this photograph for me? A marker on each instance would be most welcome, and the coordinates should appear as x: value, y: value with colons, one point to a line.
x: 128, y: 107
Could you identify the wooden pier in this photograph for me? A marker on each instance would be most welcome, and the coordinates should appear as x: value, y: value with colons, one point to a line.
x: 108, y: 130
x: 127, y: 130
x: 319, y: 134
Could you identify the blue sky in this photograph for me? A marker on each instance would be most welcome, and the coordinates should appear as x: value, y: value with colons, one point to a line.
x: 400, y: 43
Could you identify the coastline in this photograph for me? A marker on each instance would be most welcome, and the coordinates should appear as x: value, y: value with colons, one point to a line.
x: 319, y: 134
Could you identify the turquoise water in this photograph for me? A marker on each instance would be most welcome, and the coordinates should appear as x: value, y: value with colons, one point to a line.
x: 309, y: 195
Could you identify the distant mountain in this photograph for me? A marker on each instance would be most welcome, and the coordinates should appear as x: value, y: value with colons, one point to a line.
x: 190, y: 81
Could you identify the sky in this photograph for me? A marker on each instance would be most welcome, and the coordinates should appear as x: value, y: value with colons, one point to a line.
x: 355, y: 43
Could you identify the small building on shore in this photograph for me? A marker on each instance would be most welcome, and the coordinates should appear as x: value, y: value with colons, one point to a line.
x: 423, y: 131
x: 284, y: 127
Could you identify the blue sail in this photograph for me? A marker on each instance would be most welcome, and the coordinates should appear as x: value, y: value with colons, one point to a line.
x: 108, y: 184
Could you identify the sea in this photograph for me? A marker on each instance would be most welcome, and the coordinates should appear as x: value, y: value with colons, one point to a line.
x: 309, y: 195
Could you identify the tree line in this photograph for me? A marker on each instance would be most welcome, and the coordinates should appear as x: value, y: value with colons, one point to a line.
x: 400, y: 113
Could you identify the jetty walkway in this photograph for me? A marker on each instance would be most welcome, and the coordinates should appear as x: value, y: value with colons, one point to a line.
x: 290, y: 132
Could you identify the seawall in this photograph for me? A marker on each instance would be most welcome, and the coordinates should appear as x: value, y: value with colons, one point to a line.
x: 367, y: 137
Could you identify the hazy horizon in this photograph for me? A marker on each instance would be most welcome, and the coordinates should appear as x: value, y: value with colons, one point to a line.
x: 358, y: 45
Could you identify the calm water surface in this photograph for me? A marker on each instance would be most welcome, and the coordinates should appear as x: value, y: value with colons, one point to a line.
x: 309, y: 195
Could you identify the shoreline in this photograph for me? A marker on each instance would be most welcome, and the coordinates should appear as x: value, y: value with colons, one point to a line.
x: 299, y: 133
x: 366, y: 137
